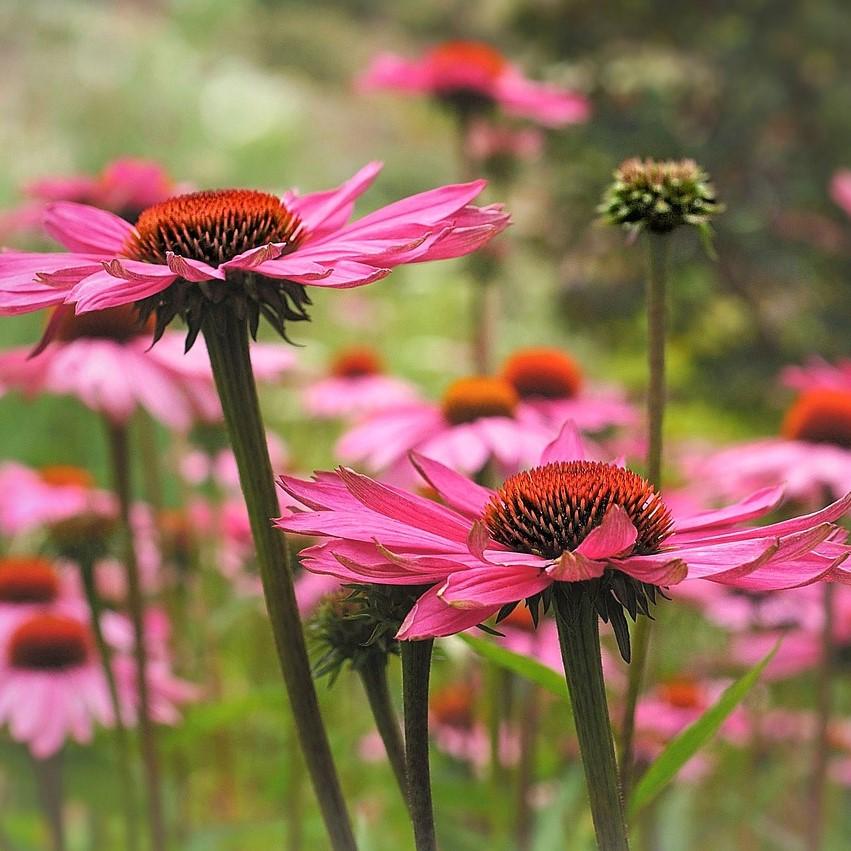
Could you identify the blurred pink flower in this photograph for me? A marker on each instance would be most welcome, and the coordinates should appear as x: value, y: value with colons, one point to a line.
x: 840, y: 189
x: 478, y: 553
x: 479, y: 420
x: 472, y: 74
x: 357, y: 385
x: 488, y: 142
x: 299, y: 239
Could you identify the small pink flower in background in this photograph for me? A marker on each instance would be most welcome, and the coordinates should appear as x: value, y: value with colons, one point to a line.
x: 357, y: 385
x: 499, y: 148
x: 125, y: 187
x: 840, y: 189
x: 484, y: 549
x: 473, y: 76
x: 198, y: 468
x: 284, y: 243
x: 479, y: 420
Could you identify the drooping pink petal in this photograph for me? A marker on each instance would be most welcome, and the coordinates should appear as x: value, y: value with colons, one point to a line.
x: 431, y: 617
x: 492, y: 586
x: 547, y: 104
x: 455, y: 489
x: 755, y: 505
x: 615, y: 536
x: 320, y: 209
x: 86, y: 229
x: 110, y: 288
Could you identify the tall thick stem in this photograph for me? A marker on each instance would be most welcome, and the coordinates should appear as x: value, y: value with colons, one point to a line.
x: 48, y: 776
x: 416, y: 667
x: 120, y: 456
x: 122, y: 741
x: 227, y: 344
x: 818, y: 787
x: 579, y: 636
x: 374, y: 678
x: 657, y: 321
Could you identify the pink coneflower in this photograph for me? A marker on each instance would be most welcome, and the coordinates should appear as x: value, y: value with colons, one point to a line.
x: 551, y: 383
x: 500, y: 149
x: 479, y: 420
x: 254, y: 250
x: 125, y: 187
x: 840, y: 189
x: 471, y: 77
x: 567, y: 523
x: 27, y: 585
x: 357, y: 385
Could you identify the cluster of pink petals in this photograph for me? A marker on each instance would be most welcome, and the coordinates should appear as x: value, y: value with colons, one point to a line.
x: 591, y: 411
x: 127, y: 184
x: 486, y: 140
x: 818, y: 374
x: 547, y: 104
x: 199, y: 468
x: 337, y: 397
x: 95, y: 272
x: 381, y: 442
x: 840, y: 189
x: 377, y: 533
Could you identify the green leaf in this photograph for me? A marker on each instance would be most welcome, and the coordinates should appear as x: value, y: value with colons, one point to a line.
x: 523, y: 666
x: 684, y: 746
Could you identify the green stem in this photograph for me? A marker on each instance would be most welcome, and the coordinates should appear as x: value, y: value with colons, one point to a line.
x: 416, y: 667
x: 48, y: 775
x: 818, y: 788
x: 526, y: 767
x: 579, y: 637
x: 120, y: 456
x: 657, y: 321
x: 122, y: 742
x: 227, y: 344
x: 374, y: 678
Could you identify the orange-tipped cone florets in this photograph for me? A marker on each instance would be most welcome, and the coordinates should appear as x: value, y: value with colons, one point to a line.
x: 66, y: 475
x: 549, y: 510
x: 115, y: 323
x: 356, y: 363
x: 49, y: 642
x: 543, y: 373
x: 682, y: 693
x: 27, y: 580
x: 470, y: 399
x: 820, y: 416
x: 449, y: 56
x: 453, y: 706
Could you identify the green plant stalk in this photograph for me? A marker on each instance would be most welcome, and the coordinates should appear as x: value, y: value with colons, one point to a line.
x: 48, y: 776
x: 416, y: 667
x: 524, y: 822
x: 122, y: 742
x: 373, y: 676
x: 120, y: 456
x: 579, y: 637
x: 657, y: 321
x: 227, y: 345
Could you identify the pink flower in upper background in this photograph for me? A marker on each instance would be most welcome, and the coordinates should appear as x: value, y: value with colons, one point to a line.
x: 253, y: 250
x: 479, y: 420
x: 566, y: 521
x: 357, y: 385
x: 125, y: 187
x: 473, y: 76
x: 840, y: 189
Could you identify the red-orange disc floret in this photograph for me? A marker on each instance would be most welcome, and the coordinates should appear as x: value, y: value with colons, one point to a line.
x: 470, y: 399
x: 820, y: 416
x: 213, y: 226
x: 115, y: 323
x: 453, y: 706
x: 66, y: 476
x: 357, y: 362
x: 446, y: 58
x: 682, y: 693
x: 549, y: 510
x: 26, y: 579
x: 49, y: 642
x: 543, y: 373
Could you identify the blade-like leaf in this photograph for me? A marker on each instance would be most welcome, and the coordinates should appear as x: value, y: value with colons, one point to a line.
x: 684, y: 746
x: 523, y: 666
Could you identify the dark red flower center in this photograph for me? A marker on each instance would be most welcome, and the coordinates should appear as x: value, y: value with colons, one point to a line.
x: 453, y: 705
x: 49, y: 642
x: 66, y: 475
x: 469, y: 399
x: 213, y: 226
x: 27, y: 580
x: 543, y: 373
x: 682, y: 694
x: 820, y: 416
x: 356, y: 363
x: 549, y: 510
x: 455, y: 62
x: 520, y: 618
x: 115, y: 323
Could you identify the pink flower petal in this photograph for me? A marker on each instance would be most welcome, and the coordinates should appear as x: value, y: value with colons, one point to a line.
x: 430, y: 617
x: 615, y: 536
x: 82, y: 228
x: 492, y: 586
x: 455, y: 489
x: 568, y: 446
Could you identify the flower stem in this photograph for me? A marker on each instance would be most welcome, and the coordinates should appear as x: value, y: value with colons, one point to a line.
x: 120, y: 456
x: 48, y: 776
x: 657, y: 320
x: 416, y: 666
x: 374, y: 678
x: 815, y: 830
x: 227, y: 344
x: 122, y: 743
x: 526, y: 767
x: 579, y: 637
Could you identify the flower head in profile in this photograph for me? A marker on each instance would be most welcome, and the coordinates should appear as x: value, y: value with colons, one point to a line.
x: 473, y: 77
x: 480, y: 419
x: 357, y: 384
x: 660, y: 196
x: 565, y: 527
x: 248, y: 252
